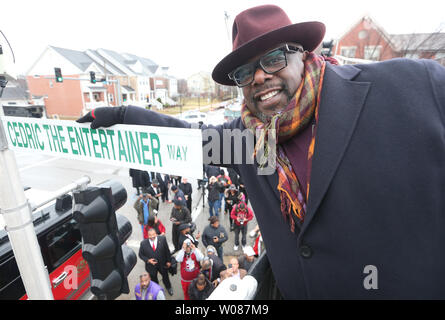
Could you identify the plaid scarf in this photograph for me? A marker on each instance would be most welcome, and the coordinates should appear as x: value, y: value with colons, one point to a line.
x: 291, y: 121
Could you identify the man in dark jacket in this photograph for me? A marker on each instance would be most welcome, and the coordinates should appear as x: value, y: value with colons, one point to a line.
x: 211, y: 171
x: 154, y: 191
x: 355, y: 206
x: 215, y: 234
x: 212, y: 266
x: 140, y: 179
x: 186, y: 188
x: 177, y: 193
x: 234, y: 177
x: 163, y: 183
x: 185, y: 233
x: 155, y: 253
x: 213, y: 196
x: 200, y: 288
x: 179, y: 215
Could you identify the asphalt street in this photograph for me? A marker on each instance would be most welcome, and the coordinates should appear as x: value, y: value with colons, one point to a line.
x: 47, y: 174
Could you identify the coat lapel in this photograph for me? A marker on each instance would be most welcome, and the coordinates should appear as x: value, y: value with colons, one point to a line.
x: 340, y: 107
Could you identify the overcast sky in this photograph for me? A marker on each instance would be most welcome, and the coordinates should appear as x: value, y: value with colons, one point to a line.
x: 189, y: 36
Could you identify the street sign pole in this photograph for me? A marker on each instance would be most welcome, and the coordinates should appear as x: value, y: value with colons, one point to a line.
x: 17, y: 215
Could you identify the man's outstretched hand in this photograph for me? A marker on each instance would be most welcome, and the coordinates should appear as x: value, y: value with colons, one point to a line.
x: 104, y: 117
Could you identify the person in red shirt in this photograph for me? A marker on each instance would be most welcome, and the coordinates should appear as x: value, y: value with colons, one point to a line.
x: 154, y: 223
x: 241, y: 215
x: 189, y: 257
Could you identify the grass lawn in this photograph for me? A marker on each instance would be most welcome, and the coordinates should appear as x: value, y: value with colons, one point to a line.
x: 191, y: 104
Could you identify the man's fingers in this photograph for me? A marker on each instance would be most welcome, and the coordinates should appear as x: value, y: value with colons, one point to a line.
x: 86, y: 118
x: 95, y: 124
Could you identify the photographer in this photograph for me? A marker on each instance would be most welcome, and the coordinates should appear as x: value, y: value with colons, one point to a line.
x: 189, y: 257
x: 241, y: 215
x: 185, y: 232
x: 215, y: 234
x: 145, y: 206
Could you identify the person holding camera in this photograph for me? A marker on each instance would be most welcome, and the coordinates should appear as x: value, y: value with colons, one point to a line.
x: 233, y: 270
x: 241, y: 215
x: 189, y: 257
x: 146, y: 206
x: 186, y: 232
x: 215, y: 234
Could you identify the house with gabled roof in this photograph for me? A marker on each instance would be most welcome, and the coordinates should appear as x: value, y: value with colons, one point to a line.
x: 368, y: 41
x: 16, y: 100
x: 72, y: 97
x: 128, y: 80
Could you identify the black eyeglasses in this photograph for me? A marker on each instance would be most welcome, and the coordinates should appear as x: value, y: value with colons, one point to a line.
x: 270, y: 63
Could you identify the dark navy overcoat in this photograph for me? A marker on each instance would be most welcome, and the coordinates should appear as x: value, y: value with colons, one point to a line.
x: 377, y: 190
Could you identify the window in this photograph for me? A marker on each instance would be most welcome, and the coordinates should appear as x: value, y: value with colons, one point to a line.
x: 11, y: 285
x: 372, y: 53
x: 362, y: 34
x: 348, y: 52
x: 62, y: 242
x: 8, y: 272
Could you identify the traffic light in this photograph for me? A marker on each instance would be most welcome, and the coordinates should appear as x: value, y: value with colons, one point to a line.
x: 103, y: 234
x: 58, y: 73
x: 327, y: 48
x: 92, y: 77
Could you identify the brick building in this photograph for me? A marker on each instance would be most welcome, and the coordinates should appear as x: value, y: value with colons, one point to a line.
x: 73, y: 98
x: 367, y: 40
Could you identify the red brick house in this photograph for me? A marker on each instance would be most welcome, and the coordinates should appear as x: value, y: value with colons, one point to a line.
x: 131, y: 80
x: 369, y: 41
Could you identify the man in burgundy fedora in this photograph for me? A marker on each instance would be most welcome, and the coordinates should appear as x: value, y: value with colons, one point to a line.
x: 355, y: 205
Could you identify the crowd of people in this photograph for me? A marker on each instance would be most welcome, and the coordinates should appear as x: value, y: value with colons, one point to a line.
x: 200, y: 270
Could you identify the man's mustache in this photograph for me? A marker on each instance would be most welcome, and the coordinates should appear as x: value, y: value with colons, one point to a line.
x: 268, y: 86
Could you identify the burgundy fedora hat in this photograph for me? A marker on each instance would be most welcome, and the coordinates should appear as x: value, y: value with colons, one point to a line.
x: 259, y: 29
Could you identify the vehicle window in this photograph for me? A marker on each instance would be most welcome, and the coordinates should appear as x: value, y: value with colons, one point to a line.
x: 62, y: 243
x: 11, y: 285
x: 191, y: 116
x: 203, y: 116
x: 8, y: 272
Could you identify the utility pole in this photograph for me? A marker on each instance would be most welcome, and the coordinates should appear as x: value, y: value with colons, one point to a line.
x: 17, y: 214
